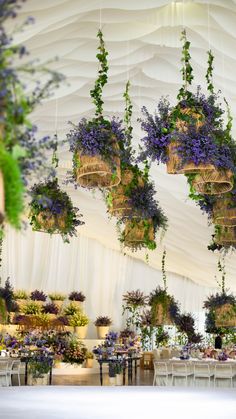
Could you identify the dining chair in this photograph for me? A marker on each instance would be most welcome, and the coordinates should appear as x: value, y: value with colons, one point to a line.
x: 181, y: 370
x: 161, y: 370
x: 202, y: 370
x: 14, y: 370
x: 4, y: 363
x: 224, y: 372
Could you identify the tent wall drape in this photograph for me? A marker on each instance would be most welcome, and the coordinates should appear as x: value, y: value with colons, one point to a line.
x: 36, y: 260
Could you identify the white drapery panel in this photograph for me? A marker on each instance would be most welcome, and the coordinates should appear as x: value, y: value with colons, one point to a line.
x: 36, y: 260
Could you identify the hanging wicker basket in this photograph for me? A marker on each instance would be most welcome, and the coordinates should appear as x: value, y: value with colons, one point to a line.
x: 225, y: 316
x: 137, y: 232
x: 214, y: 182
x: 53, y: 222
x: 226, y: 236
x: 174, y: 164
x: 95, y: 172
x: 161, y: 315
x: 224, y: 212
x: 120, y: 205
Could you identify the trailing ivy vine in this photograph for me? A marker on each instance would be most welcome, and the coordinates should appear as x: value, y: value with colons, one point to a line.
x: 96, y: 92
x: 186, y: 70
x: 209, y: 73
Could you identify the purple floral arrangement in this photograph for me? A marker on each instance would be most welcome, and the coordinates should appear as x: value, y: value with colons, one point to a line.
x: 222, y: 356
x: 51, y: 308
x: 76, y: 296
x: 204, y: 144
x: 38, y: 296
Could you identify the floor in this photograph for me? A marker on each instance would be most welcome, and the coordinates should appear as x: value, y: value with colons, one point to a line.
x: 80, y: 402
x: 144, y: 378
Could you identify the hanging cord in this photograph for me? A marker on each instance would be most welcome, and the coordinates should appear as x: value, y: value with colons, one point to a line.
x: 100, y: 15
x: 55, y: 159
x: 208, y: 25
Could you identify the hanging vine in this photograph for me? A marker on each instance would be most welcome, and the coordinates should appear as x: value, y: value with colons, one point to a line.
x: 186, y: 70
x: 96, y: 92
x: 163, y: 262
x: 209, y: 73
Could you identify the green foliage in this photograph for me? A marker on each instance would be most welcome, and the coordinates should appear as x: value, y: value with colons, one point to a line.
x: 163, y: 269
x: 3, y: 311
x: 128, y: 124
x: 31, y: 308
x: 187, y: 71
x: 57, y: 296
x: 209, y: 76
x: 13, y: 188
x: 78, y: 319
x: 71, y: 309
x: 20, y: 295
x: 96, y: 92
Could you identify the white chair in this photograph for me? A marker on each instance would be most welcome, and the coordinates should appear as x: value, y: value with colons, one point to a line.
x: 14, y: 370
x: 181, y: 370
x: 161, y: 370
x: 224, y: 372
x: 165, y: 353
x: 202, y: 370
x: 4, y: 370
x: 156, y: 354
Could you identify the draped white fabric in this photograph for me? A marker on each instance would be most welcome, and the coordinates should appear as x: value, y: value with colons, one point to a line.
x: 142, y: 38
x: 36, y: 260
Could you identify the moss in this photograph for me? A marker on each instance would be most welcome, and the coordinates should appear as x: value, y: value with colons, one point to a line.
x: 13, y: 188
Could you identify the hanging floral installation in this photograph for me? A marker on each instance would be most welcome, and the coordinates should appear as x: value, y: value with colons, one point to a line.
x: 221, y: 307
x: 190, y: 137
x: 133, y: 201
x: 95, y: 143
x: 51, y: 209
x: 22, y: 152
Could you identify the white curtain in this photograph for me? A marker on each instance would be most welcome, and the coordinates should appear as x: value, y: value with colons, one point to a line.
x: 36, y: 260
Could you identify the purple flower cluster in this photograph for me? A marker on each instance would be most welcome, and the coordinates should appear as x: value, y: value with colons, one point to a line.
x: 144, y: 205
x: 96, y: 137
x: 205, y: 142
x: 157, y: 130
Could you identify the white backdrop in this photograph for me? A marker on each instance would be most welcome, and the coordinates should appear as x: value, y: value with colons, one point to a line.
x: 36, y: 260
x: 142, y: 38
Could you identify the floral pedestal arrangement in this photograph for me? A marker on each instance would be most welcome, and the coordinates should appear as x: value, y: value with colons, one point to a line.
x: 38, y: 381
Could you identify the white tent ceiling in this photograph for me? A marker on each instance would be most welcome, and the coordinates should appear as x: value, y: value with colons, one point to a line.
x: 142, y: 38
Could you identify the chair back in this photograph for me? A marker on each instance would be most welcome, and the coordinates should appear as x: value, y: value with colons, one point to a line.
x: 160, y: 367
x: 201, y: 368
x: 156, y: 354
x: 165, y: 353
x: 15, y: 366
x: 223, y: 370
x: 179, y: 368
x: 4, y: 365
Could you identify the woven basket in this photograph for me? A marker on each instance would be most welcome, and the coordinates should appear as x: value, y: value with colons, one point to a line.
x: 226, y: 236
x: 120, y: 206
x: 214, y: 182
x: 225, y: 316
x: 174, y: 161
x: 224, y: 213
x: 49, y: 221
x: 175, y: 165
x: 161, y: 317
x: 94, y: 172
x: 198, y: 120
x: 135, y: 233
